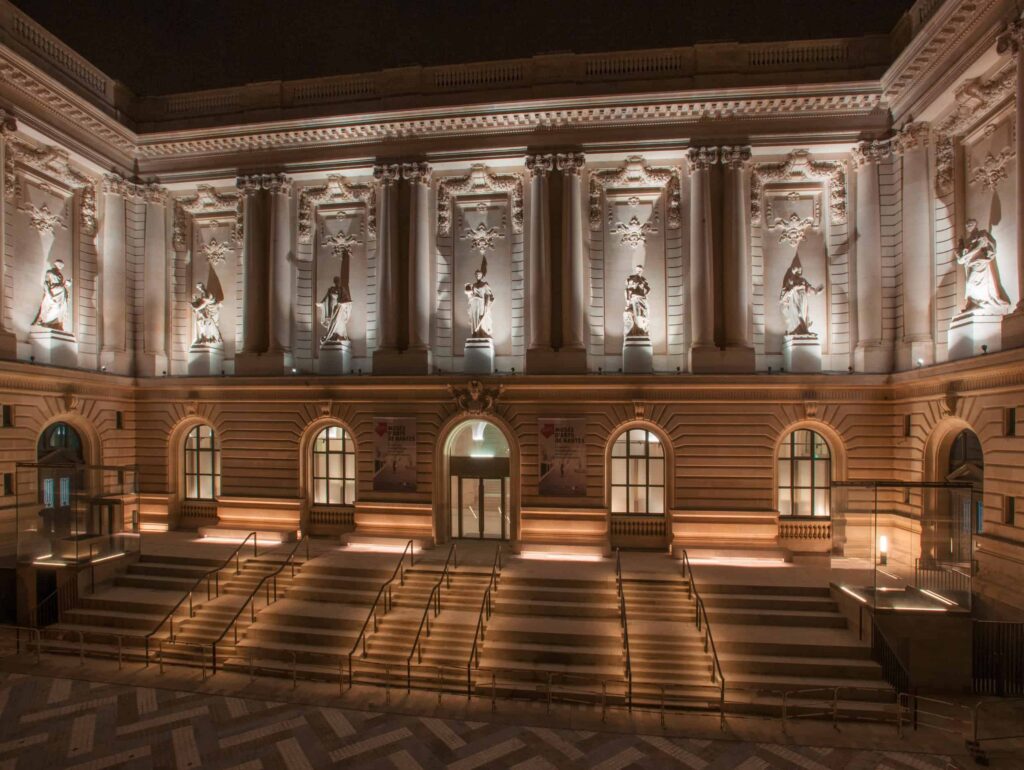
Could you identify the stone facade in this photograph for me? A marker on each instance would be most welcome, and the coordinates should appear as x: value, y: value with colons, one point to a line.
x: 863, y: 168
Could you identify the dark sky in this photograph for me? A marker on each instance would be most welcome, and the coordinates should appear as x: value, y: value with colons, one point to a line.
x: 163, y: 46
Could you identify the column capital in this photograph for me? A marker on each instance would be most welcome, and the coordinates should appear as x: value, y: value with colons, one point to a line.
x: 278, y: 184
x: 910, y: 137
x: 387, y: 174
x: 1012, y: 38
x: 701, y: 158
x: 570, y: 163
x: 115, y: 184
x: 8, y: 124
x: 249, y: 185
x: 539, y: 165
x: 736, y: 157
x: 417, y: 173
x: 870, y: 152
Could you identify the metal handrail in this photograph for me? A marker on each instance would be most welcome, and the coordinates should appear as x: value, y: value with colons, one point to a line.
x: 485, y: 605
x: 976, y: 738
x: 205, y: 576
x: 400, y: 574
x: 625, y: 624
x: 701, y: 618
x: 17, y: 638
x: 433, y: 600
x: 251, y: 599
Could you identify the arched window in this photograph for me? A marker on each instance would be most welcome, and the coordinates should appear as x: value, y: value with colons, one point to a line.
x: 334, y: 467
x: 805, y: 475
x: 638, y: 473
x: 60, y: 444
x: 202, y: 464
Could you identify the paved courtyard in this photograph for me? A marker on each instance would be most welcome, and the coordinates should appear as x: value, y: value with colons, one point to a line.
x: 48, y: 722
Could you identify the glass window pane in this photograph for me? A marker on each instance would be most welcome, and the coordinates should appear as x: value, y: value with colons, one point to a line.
x: 821, y: 473
x: 821, y: 503
x: 802, y: 502
x: 638, y: 436
x: 334, y: 492
x: 654, y: 448
x: 206, y: 463
x: 785, y: 505
x: 784, y: 447
x: 205, y: 487
x: 334, y: 466
x: 656, y: 469
x: 320, y: 491
x: 619, y: 471
x: 820, y: 447
x: 350, y: 466
x: 619, y: 447
x: 350, y: 492
x: 802, y: 443
x: 803, y: 473
x: 618, y: 499
x: 784, y: 473
x: 638, y: 470
x: 656, y: 500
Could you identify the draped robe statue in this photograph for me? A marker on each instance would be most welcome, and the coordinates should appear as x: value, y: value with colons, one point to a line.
x: 206, y: 308
x: 793, y: 299
x: 480, y: 299
x: 53, y: 309
x: 335, y: 310
x: 635, y: 318
x: 977, y: 255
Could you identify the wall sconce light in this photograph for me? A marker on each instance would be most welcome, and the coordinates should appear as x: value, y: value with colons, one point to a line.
x: 920, y: 363
x: 984, y: 348
x: 883, y: 550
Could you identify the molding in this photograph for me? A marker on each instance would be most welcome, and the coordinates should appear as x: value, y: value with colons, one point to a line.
x: 337, y: 190
x: 206, y: 202
x: 479, y: 180
x: 800, y: 167
x: 636, y: 173
x: 50, y: 164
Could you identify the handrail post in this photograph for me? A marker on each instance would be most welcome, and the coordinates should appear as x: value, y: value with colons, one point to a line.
x: 663, y: 706
x: 341, y: 677
x: 604, y: 700
x: 549, y: 692
x: 81, y: 648
x: 387, y: 684
x: 119, y: 652
x: 494, y: 692
x: 835, y: 708
x: 160, y: 653
x: 295, y: 670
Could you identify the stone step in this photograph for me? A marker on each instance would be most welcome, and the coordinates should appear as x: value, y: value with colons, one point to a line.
x: 797, y: 666
x: 113, y: 619
x: 752, y: 617
x: 507, y: 605
x: 741, y: 601
x: 544, y: 655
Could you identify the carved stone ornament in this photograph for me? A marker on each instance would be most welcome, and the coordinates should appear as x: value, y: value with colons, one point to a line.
x: 50, y: 164
x: 482, y: 238
x: 735, y: 158
x: 479, y: 181
x: 975, y: 100
x: 337, y: 190
x: 325, y: 408
x: 800, y: 167
x: 476, y: 398
x: 993, y: 169
x: 639, y: 410
x: 150, y: 192
x: 540, y: 165
x: 912, y: 136
x: 810, y: 409
x: 215, y: 252
x: 635, y: 174
x: 42, y: 219
x: 570, y: 163
x: 793, y: 229
x: 417, y: 173
x: 871, y: 152
x: 947, y: 406
x: 192, y: 408
x: 340, y: 244
x: 206, y: 202
x: 70, y: 401
x: 1012, y: 38
x: 634, y: 233
x: 701, y: 158
x: 387, y: 174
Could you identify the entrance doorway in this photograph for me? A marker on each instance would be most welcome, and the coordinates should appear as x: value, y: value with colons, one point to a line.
x: 478, y: 468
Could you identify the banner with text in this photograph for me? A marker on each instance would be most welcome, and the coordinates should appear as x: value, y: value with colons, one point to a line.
x: 563, y: 456
x: 394, y: 454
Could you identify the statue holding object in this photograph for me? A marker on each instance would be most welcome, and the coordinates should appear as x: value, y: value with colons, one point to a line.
x: 977, y: 254
x: 206, y: 308
x: 480, y: 298
x: 793, y: 299
x: 56, y: 302
x: 335, y: 311
x: 636, y: 317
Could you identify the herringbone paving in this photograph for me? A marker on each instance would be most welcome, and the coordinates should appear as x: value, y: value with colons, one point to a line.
x: 55, y: 722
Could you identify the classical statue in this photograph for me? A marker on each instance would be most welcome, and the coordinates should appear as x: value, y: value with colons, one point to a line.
x: 207, y: 311
x: 635, y: 317
x: 481, y: 300
x: 977, y: 255
x: 335, y: 310
x: 793, y: 299
x: 53, y: 309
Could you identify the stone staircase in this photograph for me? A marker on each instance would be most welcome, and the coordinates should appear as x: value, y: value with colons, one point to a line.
x: 547, y: 624
x: 666, y: 650
x: 790, y: 638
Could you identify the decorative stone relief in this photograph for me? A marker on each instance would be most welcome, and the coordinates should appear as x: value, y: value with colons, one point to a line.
x: 214, y: 251
x: 337, y: 190
x: 341, y: 244
x: 482, y: 237
x: 42, y: 219
x: 800, y: 167
x: 912, y: 136
x: 50, y: 164
x: 633, y: 233
x: 635, y: 174
x: 478, y: 180
x: 992, y: 170
x: 206, y: 202
x: 476, y: 398
x: 793, y: 228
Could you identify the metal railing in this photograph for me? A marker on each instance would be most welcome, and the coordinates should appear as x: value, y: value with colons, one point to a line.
x: 942, y: 715
x: 169, y: 617
x: 625, y: 626
x: 827, y: 706
x: 433, y: 601
x: 385, y: 592
x: 893, y: 669
x: 50, y: 609
x: 703, y: 624
x: 997, y: 666
x: 486, y: 607
x: 271, y: 582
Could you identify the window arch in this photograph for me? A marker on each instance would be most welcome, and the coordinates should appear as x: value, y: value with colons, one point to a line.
x: 638, y: 473
x: 202, y: 464
x: 804, y: 472
x: 334, y: 467
x: 60, y: 443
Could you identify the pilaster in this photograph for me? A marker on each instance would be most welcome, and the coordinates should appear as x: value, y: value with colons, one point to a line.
x: 572, y: 355
x: 704, y: 356
x: 151, y: 360
x: 1012, y: 40
x: 8, y: 340
x: 738, y: 355
x: 114, y: 354
x: 387, y: 358
x: 872, y: 353
x: 540, y: 358
x: 419, y: 354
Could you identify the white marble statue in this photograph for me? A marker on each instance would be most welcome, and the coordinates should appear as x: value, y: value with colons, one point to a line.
x: 207, y: 311
x: 481, y: 301
x: 635, y: 318
x: 793, y: 299
x: 335, y: 310
x: 977, y: 255
x: 54, y: 307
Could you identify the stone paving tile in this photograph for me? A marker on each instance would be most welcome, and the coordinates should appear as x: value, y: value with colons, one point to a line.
x: 63, y: 723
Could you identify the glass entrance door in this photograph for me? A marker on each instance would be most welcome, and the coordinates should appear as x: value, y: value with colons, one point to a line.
x: 479, y: 508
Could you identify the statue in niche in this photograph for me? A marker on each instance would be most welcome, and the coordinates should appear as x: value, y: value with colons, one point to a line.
x: 977, y: 255
x: 635, y: 318
x: 481, y: 301
x: 206, y: 308
x: 335, y: 310
x: 53, y: 309
x: 793, y: 299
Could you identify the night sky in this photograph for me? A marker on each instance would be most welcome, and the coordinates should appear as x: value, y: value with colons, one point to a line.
x: 164, y: 46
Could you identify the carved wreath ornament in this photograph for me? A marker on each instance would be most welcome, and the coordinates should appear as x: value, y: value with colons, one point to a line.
x: 215, y: 252
x: 634, y: 233
x: 793, y: 229
x: 475, y: 398
x: 341, y: 244
x: 482, y: 238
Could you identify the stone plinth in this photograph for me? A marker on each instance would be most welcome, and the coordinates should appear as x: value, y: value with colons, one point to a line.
x: 479, y: 356
x: 874, y: 357
x: 8, y: 346
x: 730, y: 360
x: 973, y: 330
x: 53, y: 346
x: 205, y: 359
x: 801, y: 353
x: 273, y: 362
x: 335, y: 357
x: 637, y: 355
x: 1013, y: 330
